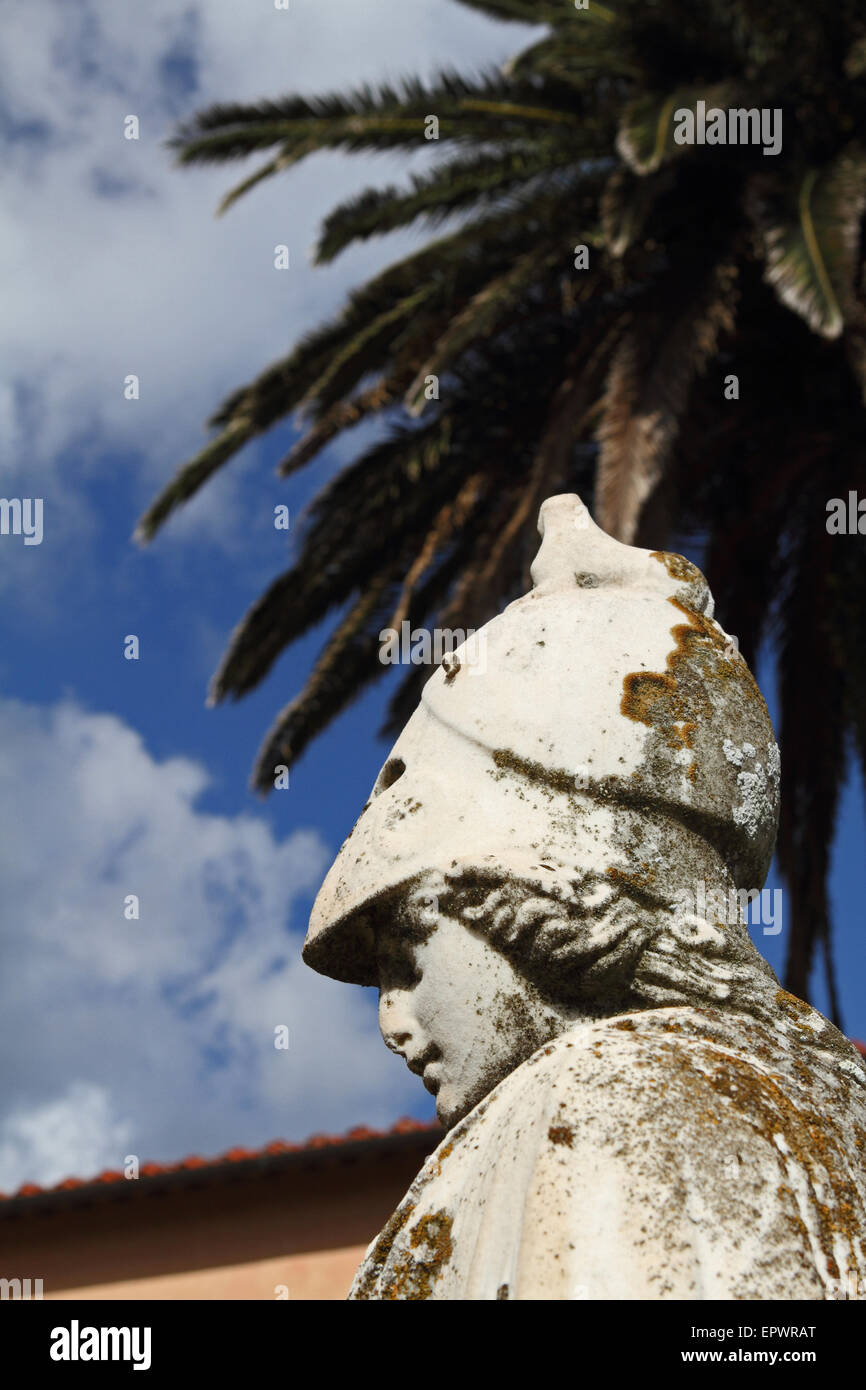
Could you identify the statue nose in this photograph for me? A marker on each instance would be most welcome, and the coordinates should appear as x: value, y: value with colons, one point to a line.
x: 394, y: 1022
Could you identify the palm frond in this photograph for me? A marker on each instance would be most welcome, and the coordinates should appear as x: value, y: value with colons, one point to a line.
x: 428, y: 606
x: 475, y: 182
x: 343, y: 370
x: 343, y: 415
x: 265, y: 171
x: 469, y: 603
x: 626, y: 205
x: 469, y: 110
x: 648, y: 128
x: 194, y: 474
x: 812, y: 736
x: 650, y: 377
x: 578, y: 55
x: 481, y: 315
x: 390, y: 493
x: 518, y: 11
x: 347, y: 664
x: 450, y: 519
x: 575, y: 139
x: 810, y: 229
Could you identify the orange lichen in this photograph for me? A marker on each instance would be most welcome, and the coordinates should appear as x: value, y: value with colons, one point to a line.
x: 790, y: 1003
x: 561, y: 1134
x: 417, y: 1268
x: 381, y: 1250
x: 444, y: 1153
x: 809, y: 1140
x: 641, y: 882
x: 794, y: 1009
x: 661, y: 698
x: 678, y: 567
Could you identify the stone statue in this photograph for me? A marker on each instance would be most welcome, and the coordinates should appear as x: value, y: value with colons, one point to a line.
x: 546, y: 886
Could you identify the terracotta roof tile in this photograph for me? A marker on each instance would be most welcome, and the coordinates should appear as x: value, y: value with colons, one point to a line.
x: 361, y: 1133
x: 409, y: 1126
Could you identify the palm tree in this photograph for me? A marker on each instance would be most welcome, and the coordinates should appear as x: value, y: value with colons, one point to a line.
x: 506, y: 365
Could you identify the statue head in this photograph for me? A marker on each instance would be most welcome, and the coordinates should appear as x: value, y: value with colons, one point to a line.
x: 531, y: 847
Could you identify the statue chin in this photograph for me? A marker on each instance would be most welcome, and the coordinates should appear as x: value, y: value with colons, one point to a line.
x: 453, y: 1104
x: 456, y: 1100
x: 450, y: 1112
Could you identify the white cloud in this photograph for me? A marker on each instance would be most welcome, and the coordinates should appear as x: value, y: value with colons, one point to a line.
x: 156, y: 1036
x: 76, y: 1133
x: 114, y: 263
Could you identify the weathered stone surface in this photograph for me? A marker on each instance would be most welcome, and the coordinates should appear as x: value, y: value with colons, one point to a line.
x: 636, y: 1109
x: 674, y: 1153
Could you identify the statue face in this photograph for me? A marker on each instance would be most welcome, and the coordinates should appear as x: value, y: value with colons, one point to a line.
x: 454, y: 1007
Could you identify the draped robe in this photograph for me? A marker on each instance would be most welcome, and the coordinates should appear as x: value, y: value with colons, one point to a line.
x: 672, y: 1153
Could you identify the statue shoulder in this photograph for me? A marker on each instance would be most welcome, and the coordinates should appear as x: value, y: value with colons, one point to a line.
x: 639, y: 1156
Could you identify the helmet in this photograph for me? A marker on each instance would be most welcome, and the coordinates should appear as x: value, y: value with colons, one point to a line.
x: 603, y: 721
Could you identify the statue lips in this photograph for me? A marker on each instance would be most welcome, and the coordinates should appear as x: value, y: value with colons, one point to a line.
x: 431, y: 1083
x: 420, y: 1064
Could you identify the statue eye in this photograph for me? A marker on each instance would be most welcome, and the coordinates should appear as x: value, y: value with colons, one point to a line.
x: 398, y: 969
x: 391, y: 772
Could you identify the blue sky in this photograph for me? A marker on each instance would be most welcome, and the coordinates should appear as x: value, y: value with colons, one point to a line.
x: 154, y: 1036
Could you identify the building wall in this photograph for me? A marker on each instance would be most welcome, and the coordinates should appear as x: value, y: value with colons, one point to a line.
x: 321, y: 1274
x: 305, y: 1229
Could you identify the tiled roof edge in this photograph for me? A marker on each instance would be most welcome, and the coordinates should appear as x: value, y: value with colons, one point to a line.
x: 226, y: 1164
